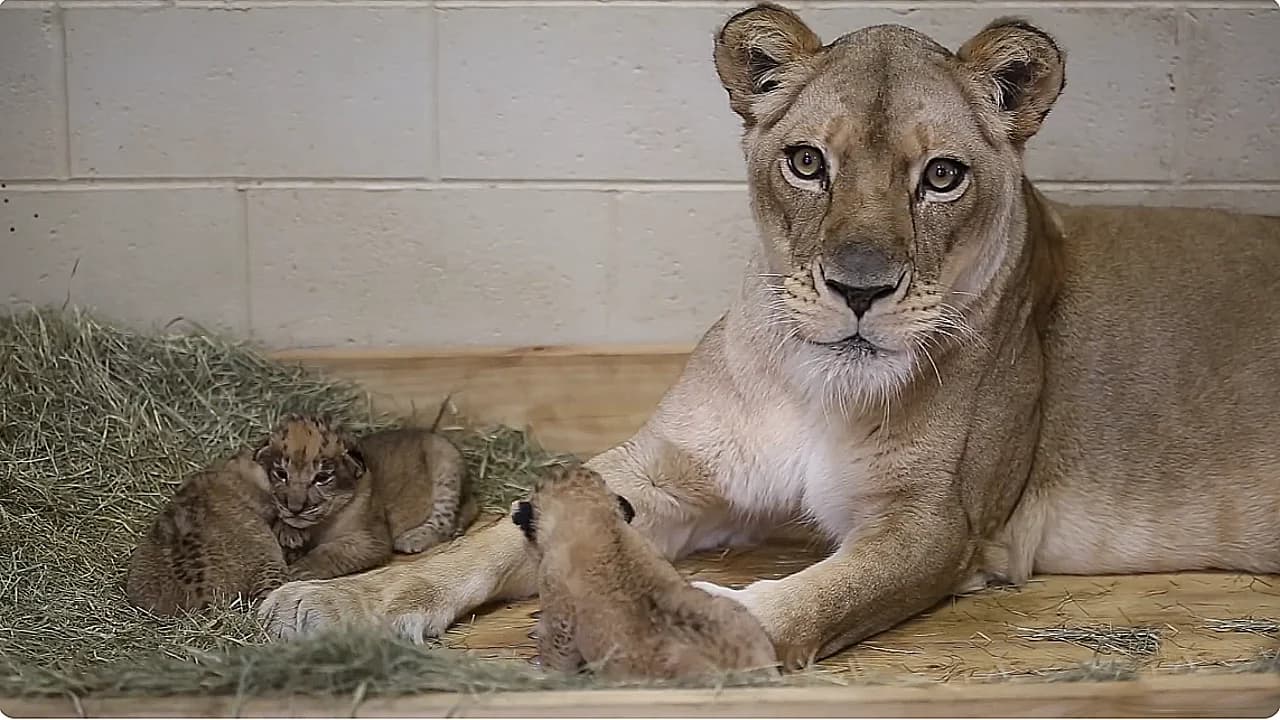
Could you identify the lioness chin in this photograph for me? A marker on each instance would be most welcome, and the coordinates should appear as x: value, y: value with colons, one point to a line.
x: 950, y: 378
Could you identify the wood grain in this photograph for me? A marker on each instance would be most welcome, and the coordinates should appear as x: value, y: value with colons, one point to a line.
x: 578, y: 400
x: 1198, y: 696
x: 989, y: 635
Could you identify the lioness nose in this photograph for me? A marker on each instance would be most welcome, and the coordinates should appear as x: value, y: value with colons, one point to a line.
x: 859, y: 299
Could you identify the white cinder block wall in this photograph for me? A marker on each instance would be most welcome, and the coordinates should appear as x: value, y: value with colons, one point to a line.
x: 484, y: 172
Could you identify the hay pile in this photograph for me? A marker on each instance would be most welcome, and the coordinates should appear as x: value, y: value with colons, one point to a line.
x: 97, y: 426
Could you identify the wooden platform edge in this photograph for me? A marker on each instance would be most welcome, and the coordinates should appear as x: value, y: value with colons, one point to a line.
x: 577, y: 399
x: 1199, y: 695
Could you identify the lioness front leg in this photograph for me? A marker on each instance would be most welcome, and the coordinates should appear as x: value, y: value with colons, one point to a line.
x: 890, y: 570
x: 419, y: 598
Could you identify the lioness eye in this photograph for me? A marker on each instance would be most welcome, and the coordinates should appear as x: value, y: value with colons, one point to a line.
x: 279, y: 474
x: 943, y: 175
x: 806, y: 162
x: 324, y: 477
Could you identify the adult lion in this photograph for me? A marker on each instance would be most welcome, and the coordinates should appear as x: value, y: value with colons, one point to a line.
x: 951, y: 378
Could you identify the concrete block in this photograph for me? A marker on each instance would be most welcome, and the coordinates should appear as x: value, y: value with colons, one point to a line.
x: 1114, y: 121
x: 1230, y: 84
x: 1260, y: 201
x: 590, y: 92
x: 309, y: 91
x: 631, y: 92
x: 679, y: 262
x: 428, y: 267
x: 142, y: 257
x: 32, y: 108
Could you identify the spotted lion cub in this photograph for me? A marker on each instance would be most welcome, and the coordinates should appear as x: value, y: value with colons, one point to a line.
x: 345, y: 506
x: 212, y: 541
x: 610, y: 600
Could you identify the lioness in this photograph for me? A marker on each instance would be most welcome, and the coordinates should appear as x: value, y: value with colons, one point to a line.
x: 952, y: 378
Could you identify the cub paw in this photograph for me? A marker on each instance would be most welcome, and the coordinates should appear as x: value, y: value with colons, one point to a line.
x: 418, y: 540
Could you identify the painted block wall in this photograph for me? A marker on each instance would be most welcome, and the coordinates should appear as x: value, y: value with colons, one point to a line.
x: 509, y: 172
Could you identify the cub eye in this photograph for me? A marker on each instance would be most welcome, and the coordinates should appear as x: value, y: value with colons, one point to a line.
x: 942, y: 175
x: 324, y: 477
x: 806, y: 162
x: 279, y: 474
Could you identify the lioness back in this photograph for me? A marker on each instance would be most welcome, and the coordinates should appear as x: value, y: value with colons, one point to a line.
x: 1159, y: 447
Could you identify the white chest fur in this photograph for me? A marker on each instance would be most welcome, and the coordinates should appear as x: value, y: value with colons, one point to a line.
x: 793, y: 463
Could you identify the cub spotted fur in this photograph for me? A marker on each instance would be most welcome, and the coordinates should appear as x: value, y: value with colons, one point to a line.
x: 344, y: 506
x: 611, y: 601
x: 211, y: 541
x: 947, y: 376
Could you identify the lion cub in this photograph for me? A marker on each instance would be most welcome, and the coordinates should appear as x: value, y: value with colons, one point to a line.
x: 213, y: 540
x: 344, y: 506
x: 610, y: 600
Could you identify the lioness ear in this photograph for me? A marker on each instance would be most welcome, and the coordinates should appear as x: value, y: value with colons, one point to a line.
x: 1024, y: 69
x: 757, y: 51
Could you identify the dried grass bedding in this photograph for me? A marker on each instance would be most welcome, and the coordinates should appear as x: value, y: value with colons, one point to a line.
x: 97, y: 426
x: 99, y: 423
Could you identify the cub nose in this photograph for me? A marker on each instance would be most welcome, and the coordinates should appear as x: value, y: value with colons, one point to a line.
x: 859, y: 299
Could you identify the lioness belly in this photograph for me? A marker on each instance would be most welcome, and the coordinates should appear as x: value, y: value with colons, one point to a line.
x: 1161, y: 405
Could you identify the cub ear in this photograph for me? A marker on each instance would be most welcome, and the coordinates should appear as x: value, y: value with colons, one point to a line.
x: 356, y: 459
x: 262, y: 453
x: 522, y: 516
x: 756, y: 53
x: 1023, y: 69
x: 624, y: 506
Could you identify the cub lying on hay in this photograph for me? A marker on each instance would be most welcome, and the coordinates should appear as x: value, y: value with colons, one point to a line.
x: 308, y: 503
x: 212, y: 540
x: 610, y: 600
x: 343, y: 506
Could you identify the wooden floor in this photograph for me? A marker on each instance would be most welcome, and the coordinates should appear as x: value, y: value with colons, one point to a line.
x: 1151, y: 623
x: 1164, y: 696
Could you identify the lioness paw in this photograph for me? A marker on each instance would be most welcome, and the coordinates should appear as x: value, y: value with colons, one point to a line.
x: 306, y: 607
x: 418, y: 627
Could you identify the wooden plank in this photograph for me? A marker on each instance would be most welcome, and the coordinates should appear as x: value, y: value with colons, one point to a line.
x: 992, y: 634
x: 1220, y: 695
x: 578, y: 400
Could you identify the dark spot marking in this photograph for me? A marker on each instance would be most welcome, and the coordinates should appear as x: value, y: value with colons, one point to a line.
x: 628, y: 512
x: 522, y: 516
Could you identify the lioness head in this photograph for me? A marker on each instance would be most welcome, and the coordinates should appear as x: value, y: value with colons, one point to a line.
x: 885, y: 174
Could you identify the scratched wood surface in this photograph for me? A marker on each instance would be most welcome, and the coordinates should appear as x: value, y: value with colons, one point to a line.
x: 1150, y: 623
